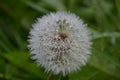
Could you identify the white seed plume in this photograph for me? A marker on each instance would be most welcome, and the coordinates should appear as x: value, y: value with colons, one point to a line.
x: 60, y: 43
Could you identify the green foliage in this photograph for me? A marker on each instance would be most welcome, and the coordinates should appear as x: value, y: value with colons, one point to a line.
x: 102, y: 17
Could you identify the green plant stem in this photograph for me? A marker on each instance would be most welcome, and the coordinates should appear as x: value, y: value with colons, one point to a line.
x: 51, y: 77
x: 64, y: 77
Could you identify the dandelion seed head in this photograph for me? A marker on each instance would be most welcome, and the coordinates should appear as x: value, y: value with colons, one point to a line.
x: 60, y: 42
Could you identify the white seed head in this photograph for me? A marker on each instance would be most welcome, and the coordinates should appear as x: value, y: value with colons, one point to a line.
x: 60, y: 42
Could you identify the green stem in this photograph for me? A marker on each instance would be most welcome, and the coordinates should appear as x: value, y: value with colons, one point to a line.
x: 58, y: 77
x: 64, y: 77
x: 51, y: 77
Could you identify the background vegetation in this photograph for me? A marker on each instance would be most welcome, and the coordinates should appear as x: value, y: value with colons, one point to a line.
x: 102, y: 17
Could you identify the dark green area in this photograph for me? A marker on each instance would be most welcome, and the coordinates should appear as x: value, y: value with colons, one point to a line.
x: 102, y: 17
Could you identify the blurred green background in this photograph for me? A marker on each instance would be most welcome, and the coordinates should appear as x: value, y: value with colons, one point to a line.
x: 102, y: 17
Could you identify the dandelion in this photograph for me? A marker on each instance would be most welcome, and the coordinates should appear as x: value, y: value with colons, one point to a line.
x: 60, y: 42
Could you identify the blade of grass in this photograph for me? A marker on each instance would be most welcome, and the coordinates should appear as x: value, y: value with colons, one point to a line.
x: 105, y: 64
x: 36, y: 7
x: 21, y: 60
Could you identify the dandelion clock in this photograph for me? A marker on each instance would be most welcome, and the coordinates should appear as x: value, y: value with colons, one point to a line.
x: 60, y: 43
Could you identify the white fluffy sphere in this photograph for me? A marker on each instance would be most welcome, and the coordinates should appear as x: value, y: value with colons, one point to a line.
x: 60, y: 42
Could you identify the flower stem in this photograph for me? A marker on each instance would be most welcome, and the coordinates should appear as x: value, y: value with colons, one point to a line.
x: 64, y: 77
x: 51, y: 77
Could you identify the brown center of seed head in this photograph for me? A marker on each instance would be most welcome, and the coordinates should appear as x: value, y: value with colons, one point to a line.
x: 63, y: 35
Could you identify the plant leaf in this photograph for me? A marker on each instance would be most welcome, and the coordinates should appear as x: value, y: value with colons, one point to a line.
x: 21, y: 60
